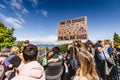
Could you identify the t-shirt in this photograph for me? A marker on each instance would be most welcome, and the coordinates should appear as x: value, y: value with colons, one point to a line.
x: 7, y: 61
x: 107, y: 51
x: 13, y: 59
x: 55, y: 55
x: 74, y: 62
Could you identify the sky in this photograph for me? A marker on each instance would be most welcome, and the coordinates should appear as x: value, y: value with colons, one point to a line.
x: 37, y: 20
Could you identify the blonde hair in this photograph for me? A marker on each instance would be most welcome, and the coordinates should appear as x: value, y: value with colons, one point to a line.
x: 15, y: 50
x: 79, y: 43
x: 87, y: 67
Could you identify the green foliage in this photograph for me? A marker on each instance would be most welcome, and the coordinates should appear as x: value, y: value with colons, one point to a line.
x: 116, y: 39
x: 63, y: 48
x: 39, y: 59
x: 6, y: 37
x: 43, y: 49
x: 19, y: 44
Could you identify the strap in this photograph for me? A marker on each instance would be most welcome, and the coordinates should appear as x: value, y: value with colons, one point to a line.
x: 104, y: 55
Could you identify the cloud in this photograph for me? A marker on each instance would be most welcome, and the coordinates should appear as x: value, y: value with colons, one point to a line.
x: 17, y: 14
x: 34, y: 2
x: 44, y: 12
x: 52, y: 39
x: 20, y: 1
x: 16, y: 4
x: 25, y: 11
x: 16, y: 23
x: 47, y: 39
x: 2, y: 6
x: 22, y: 20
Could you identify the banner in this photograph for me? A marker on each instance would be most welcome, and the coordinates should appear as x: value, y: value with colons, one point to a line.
x: 73, y: 29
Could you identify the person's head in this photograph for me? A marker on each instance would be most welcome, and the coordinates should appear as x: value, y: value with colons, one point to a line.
x: 50, y: 54
x: 26, y: 42
x: 78, y: 44
x: 68, y: 47
x: 72, y: 52
x: 56, y: 49
x: 102, y: 43
x: 14, y: 50
x: 87, y: 66
x: 90, y: 45
x: 30, y: 53
x: 118, y: 48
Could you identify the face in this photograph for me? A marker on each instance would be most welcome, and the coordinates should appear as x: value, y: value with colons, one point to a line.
x: 75, y: 44
x: 89, y: 45
x: 102, y: 43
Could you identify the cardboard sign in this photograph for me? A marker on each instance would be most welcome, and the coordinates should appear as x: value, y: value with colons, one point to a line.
x: 73, y: 29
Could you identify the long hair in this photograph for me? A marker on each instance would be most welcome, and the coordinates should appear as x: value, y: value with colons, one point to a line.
x: 87, y: 66
x: 79, y: 44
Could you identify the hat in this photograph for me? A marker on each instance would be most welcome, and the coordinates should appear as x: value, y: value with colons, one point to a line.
x: 4, y: 50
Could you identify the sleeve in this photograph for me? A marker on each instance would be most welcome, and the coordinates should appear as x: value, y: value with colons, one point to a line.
x: 98, y: 47
x: 7, y: 61
x: 110, y: 50
x: 71, y: 62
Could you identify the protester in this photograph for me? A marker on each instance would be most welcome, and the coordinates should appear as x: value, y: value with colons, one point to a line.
x: 26, y: 42
x: 90, y: 49
x: 103, y: 52
x: 56, y: 51
x: 4, y: 53
x: 86, y: 70
x: 72, y: 62
x: 32, y: 70
x: 54, y: 55
x: 78, y: 44
x: 14, y: 52
x: 11, y: 63
x: 54, y: 68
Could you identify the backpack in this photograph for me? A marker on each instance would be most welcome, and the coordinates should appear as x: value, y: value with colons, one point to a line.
x: 54, y: 70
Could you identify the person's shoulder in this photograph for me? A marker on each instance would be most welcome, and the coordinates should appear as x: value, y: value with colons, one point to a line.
x: 21, y: 77
x: 98, y: 46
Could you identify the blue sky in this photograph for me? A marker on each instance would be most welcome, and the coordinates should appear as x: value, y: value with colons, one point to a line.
x: 37, y: 20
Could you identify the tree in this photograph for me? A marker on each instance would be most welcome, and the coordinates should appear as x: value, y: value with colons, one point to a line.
x: 116, y: 39
x: 6, y: 36
x: 19, y: 44
x: 63, y: 48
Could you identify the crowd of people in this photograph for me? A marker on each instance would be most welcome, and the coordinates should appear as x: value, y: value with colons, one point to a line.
x: 81, y: 62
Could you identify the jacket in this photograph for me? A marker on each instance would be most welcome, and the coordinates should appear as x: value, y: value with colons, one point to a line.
x: 31, y: 71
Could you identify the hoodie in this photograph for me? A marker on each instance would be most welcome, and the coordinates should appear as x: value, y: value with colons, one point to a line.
x: 31, y: 71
